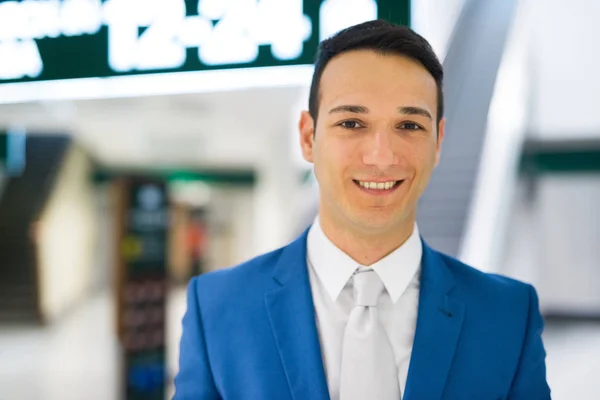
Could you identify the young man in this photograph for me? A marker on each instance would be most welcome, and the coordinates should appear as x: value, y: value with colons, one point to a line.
x: 359, y: 307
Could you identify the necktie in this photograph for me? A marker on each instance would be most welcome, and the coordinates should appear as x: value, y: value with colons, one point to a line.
x: 368, y: 365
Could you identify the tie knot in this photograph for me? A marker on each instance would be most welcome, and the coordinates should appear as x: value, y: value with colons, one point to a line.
x: 367, y: 288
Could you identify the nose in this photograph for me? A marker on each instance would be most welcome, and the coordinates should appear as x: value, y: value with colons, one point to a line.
x: 379, y: 152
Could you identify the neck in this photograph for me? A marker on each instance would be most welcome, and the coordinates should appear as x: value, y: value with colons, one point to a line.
x: 366, y: 248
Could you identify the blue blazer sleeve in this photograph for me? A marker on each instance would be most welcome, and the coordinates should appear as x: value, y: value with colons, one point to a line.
x: 530, y: 380
x: 194, y: 379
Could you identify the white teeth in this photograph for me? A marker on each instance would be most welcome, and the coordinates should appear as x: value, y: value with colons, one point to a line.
x: 377, y: 185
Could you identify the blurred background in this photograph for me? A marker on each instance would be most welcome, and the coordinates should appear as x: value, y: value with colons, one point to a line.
x: 145, y: 142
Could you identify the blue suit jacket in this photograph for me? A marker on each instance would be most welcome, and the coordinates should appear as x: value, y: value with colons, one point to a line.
x: 250, y: 333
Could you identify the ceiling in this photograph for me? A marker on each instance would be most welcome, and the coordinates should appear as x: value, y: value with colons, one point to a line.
x: 214, y: 130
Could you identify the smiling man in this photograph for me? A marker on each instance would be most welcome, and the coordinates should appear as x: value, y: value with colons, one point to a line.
x: 359, y: 306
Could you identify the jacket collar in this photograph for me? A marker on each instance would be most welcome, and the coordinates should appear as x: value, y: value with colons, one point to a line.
x: 291, y: 311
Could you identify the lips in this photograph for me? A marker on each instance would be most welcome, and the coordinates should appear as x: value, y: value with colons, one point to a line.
x: 382, y: 186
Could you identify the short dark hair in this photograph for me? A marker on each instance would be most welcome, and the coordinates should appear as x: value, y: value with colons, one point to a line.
x: 384, y: 38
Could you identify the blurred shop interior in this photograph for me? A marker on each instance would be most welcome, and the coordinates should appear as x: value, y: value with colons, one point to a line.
x: 130, y: 162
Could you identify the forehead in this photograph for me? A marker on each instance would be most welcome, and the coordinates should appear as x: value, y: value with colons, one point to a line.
x: 365, y: 76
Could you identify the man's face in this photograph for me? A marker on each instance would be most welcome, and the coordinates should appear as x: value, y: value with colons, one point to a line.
x: 376, y: 126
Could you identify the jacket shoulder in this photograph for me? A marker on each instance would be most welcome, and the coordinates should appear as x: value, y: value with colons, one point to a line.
x: 487, y: 286
x: 466, y: 274
x: 248, y: 276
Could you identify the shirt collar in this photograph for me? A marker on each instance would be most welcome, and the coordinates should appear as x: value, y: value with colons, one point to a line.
x: 334, y: 267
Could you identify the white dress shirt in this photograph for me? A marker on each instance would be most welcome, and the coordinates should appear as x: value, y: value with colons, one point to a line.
x: 330, y: 270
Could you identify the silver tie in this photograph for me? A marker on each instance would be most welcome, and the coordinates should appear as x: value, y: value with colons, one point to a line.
x: 368, y: 364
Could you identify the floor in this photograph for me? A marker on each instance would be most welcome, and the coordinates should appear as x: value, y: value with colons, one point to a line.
x: 78, y: 357
x: 573, y: 360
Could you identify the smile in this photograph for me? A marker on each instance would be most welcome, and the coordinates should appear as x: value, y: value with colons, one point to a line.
x: 378, y: 186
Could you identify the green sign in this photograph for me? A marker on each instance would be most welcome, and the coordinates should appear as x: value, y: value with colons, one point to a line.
x: 582, y: 160
x: 42, y: 40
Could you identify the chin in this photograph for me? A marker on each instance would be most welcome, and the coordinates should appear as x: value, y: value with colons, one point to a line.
x: 377, y: 222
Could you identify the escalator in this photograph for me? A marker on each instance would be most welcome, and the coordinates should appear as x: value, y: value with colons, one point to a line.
x: 471, y: 66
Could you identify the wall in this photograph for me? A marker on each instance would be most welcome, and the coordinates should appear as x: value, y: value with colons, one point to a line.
x: 435, y: 21
x: 276, y: 197
x: 67, y: 237
x: 104, y: 267
x: 564, y: 68
x: 231, y: 227
x: 555, y: 242
x: 554, y: 230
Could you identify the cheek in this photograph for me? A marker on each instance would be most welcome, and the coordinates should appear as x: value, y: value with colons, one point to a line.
x: 334, y: 158
x: 426, y: 167
x: 426, y: 160
x: 423, y: 155
x: 325, y: 164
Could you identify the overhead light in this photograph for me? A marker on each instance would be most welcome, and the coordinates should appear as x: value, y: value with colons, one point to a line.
x: 157, y: 84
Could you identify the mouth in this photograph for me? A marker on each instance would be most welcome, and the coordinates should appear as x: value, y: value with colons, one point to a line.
x: 378, y: 188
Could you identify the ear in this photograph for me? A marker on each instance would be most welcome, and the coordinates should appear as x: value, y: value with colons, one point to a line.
x: 306, y: 126
x: 440, y: 140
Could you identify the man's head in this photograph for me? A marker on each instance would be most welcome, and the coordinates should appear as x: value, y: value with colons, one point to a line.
x: 375, y: 116
x: 381, y: 37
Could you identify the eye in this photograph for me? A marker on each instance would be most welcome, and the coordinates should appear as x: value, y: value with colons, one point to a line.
x: 411, y: 126
x: 350, y: 124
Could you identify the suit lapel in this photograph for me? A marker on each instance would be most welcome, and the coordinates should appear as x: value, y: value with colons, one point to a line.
x: 439, y: 324
x: 291, y: 312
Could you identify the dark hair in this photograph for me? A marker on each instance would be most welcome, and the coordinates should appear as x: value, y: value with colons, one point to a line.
x: 384, y: 38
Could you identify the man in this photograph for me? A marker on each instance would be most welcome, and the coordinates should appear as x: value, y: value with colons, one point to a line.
x: 359, y: 307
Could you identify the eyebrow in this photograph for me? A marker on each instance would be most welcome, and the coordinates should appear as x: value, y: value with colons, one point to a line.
x: 415, y: 111
x: 349, y: 108
x: 364, y: 110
